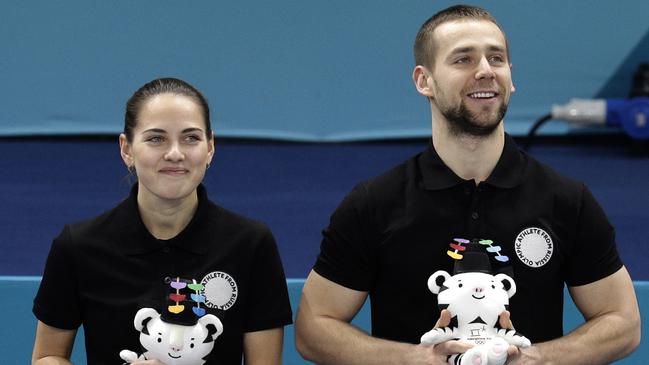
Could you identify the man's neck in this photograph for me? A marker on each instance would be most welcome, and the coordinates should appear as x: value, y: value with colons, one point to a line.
x: 469, y: 157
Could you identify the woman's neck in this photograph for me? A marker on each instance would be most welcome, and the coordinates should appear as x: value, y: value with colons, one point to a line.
x: 165, y: 219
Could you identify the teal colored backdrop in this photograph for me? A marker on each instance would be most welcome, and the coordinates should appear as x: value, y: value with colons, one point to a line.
x: 293, y: 69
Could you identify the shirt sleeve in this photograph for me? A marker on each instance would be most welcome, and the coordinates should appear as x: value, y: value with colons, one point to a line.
x: 269, y: 306
x: 346, y: 257
x: 595, y: 254
x: 57, y: 301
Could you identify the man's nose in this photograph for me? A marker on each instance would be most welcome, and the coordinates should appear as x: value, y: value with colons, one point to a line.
x: 485, y: 71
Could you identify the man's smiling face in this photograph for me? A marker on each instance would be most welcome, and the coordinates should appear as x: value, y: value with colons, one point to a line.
x: 471, y: 76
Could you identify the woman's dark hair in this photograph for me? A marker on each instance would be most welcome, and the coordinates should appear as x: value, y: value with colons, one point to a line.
x: 167, y: 85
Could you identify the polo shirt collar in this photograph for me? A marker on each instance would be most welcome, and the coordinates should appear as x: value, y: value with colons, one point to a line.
x: 140, y: 240
x: 435, y: 174
x: 510, y: 169
x: 508, y: 172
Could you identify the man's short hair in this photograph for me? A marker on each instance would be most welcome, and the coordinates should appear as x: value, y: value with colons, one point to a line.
x: 424, y: 48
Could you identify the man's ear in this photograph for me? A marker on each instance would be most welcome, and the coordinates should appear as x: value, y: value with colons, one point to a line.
x: 513, y: 89
x: 125, y: 151
x: 423, y: 80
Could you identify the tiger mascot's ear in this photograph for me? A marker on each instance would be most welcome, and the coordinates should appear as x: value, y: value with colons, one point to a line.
x: 142, y: 317
x: 437, y: 280
x: 213, y: 326
x: 508, y: 283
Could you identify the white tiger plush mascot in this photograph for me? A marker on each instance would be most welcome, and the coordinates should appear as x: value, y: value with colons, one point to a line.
x: 475, y: 301
x: 174, y: 344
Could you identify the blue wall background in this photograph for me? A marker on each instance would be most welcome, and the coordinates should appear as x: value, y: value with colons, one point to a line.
x: 293, y: 69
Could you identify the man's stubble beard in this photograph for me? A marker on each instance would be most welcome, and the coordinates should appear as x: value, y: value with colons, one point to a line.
x: 463, y: 122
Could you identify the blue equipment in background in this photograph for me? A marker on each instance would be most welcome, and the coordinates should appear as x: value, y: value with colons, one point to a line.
x: 632, y: 115
x: 628, y: 114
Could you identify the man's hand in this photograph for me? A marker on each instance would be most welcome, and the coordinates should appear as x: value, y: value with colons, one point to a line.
x: 324, y: 335
x: 514, y: 354
x: 436, y: 354
x: 444, y: 319
x: 148, y: 362
x: 505, y: 322
x: 449, y: 347
x: 439, y: 353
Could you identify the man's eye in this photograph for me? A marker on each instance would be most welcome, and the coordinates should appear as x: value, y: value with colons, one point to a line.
x: 496, y: 59
x: 463, y: 60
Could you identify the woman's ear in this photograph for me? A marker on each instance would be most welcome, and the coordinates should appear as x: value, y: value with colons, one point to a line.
x: 125, y: 151
x: 210, y: 148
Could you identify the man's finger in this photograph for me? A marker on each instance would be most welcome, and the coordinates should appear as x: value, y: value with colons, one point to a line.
x: 513, y: 351
x: 505, y: 321
x: 444, y: 319
x: 452, y: 347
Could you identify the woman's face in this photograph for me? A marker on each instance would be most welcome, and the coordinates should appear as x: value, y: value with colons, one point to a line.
x: 170, y: 148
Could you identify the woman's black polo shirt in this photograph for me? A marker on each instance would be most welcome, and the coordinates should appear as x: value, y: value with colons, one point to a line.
x: 100, y: 272
x: 392, y: 232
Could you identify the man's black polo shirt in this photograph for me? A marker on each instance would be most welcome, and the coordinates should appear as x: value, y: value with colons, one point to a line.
x: 392, y: 232
x: 100, y: 272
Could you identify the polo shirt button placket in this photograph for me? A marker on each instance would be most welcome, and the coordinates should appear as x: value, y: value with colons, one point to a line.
x: 474, y: 214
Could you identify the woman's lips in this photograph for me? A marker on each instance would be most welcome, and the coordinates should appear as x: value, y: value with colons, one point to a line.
x: 174, y: 171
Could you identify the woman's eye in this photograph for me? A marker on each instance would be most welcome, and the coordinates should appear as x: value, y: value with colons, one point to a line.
x: 192, y: 138
x: 155, y: 139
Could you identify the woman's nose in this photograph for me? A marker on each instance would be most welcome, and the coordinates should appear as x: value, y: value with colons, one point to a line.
x: 174, y: 153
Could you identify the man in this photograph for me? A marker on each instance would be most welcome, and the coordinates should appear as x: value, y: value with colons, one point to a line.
x: 391, y: 233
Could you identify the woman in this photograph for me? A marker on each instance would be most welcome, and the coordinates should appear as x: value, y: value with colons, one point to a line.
x: 100, y: 272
